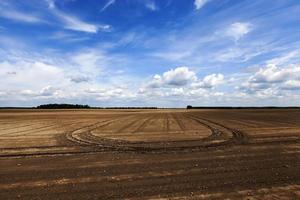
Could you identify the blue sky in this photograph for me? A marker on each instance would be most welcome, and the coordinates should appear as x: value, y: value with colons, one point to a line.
x: 166, y: 53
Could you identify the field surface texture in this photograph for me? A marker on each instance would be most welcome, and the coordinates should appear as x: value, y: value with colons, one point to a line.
x: 150, y: 154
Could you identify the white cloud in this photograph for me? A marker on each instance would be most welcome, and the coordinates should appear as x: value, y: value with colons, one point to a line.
x: 291, y: 85
x: 73, y: 23
x: 108, y: 93
x: 156, y: 82
x: 49, y: 91
x: 63, y: 36
x: 272, y: 81
x: 19, y: 16
x: 30, y: 74
x: 182, y: 86
x: 90, y: 61
x: 108, y: 4
x: 178, y: 92
x: 268, y: 93
x: 286, y: 58
x: 183, y: 82
x: 177, y: 77
x: 272, y: 74
x: 151, y: 5
x: 213, y: 79
x: 69, y: 77
x: 200, y: 3
x: 46, y: 92
x: 9, y: 11
x: 238, y: 29
x: 210, y: 81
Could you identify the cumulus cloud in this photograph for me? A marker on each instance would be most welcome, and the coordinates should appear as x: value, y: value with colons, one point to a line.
x: 200, y: 3
x: 210, y: 81
x: 271, y: 81
x: 272, y: 74
x: 179, y: 76
x: 238, y: 30
x: 182, y: 83
x: 156, y: 82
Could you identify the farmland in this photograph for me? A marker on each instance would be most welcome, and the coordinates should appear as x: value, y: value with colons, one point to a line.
x: 150, y: 154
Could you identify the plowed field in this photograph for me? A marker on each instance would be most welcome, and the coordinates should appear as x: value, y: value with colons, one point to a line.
x: 150, y: 154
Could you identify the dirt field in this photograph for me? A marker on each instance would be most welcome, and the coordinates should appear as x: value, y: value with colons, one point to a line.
x: 150, y: 154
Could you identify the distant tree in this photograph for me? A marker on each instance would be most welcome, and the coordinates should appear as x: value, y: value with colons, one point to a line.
x: 189, y: 107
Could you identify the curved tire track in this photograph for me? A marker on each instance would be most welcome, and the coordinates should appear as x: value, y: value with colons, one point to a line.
x: 86, y: 138
x: 226, y: 132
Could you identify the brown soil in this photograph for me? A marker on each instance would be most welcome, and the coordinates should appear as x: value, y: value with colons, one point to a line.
x: 150, y: 154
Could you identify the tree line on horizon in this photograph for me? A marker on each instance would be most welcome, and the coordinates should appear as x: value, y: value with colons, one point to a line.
x: 79, y: 106
x: 62, y: 106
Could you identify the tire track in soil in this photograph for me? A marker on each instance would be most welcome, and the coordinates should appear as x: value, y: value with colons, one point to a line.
x: 86, y: 138
x: 177, y: 120
x: 236, y: 135
x: 81, y: 141
x: 166, y: 126
x: 15, y: 127
x: 78, y: 142
x: 242, y: 138
x: 92, y: 149
x: 143, y: 125
x: 70, y: 135
x: 109, y: 145
x: 128, y: 125
x: 98, y: 144
x: 24, y: 131
x: 61, y: 144
x: 30, y: 131
x: 216, y: 133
